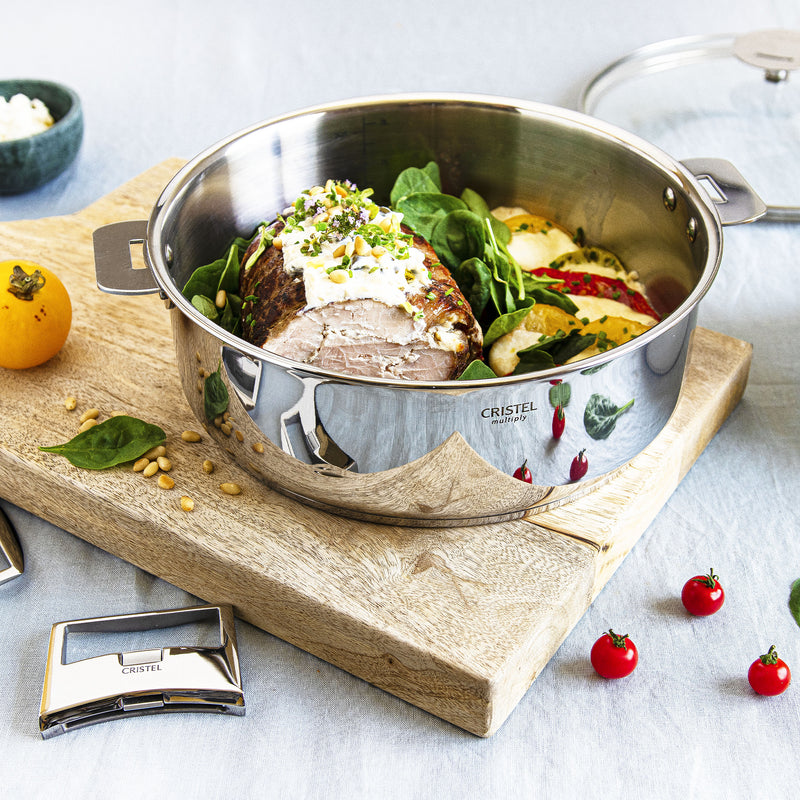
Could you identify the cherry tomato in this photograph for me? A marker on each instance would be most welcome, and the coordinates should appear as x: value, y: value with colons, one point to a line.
x: 703, y: 595
x: 35, y: 314
x: 579, y: 466
x: 523, y: 473
x: 559, y: 422
x: 614, y: 656
x: 768, y: 674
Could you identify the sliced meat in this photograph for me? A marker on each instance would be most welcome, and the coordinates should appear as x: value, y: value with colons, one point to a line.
x: 432, y: 336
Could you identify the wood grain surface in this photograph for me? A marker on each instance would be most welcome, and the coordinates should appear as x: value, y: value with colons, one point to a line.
x: 458, y: 621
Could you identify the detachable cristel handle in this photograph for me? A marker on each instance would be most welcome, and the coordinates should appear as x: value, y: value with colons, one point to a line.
x: 113, y: 265
x: 10, y: 551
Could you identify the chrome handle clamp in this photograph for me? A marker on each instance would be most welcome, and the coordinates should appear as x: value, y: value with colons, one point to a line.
x: 10, y: 551
x: 164, y: 679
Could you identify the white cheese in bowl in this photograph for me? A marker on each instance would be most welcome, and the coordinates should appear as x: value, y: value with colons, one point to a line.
x: 20, y: 117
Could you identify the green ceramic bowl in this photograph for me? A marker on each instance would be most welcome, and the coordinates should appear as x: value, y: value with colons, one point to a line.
x: 28, y: 163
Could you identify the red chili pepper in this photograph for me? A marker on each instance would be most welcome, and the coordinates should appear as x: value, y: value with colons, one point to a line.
x: 559, y: 422
x: 523, y: 473
x: 579, y: 466
x: 587, y: 283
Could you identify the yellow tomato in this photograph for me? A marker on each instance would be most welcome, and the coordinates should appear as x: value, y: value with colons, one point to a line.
x: 35, y: 314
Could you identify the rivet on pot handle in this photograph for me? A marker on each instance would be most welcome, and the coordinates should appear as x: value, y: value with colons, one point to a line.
x: 112, y: 259
x: 736, y: 200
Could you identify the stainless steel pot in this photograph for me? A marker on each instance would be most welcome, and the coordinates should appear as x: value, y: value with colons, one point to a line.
x: 429, y: 454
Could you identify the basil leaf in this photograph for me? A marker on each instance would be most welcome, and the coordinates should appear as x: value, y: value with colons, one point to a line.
x: 601, y: 414
x: 560, y: 395
x: 550, y: 297
x: 115, y: 441
x: 504, y: 324
x: 477, y: 371
x: 413, y: 180
x: 422, y: 211
x: 794, y: 601
x: 215, y: 395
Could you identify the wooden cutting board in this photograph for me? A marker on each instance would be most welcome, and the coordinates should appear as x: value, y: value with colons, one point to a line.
x: 458, y: 621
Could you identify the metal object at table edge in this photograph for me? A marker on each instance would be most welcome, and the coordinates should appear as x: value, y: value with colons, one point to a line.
x: 127, y: 684
x: 775, y: 51
x: 10, y: 550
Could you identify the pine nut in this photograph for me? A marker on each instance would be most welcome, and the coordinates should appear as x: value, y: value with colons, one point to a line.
x: 341, y: 191
x: 164, y: 464
x: 239, y: 436
x: 150, y: 469
x: 221, y: 298
x: 225, y: 428
x: 89, y: 423
x: 349, y: 248
x: 258, y: 447
x: 217, y: 422
x: 378, y: 251
x: 155, y: 452
x: 165, y: 482
x: 277, y: 243
x: 208, y: 466
x: 70, y: 403
x: 200, y: 385
x: 139, y: 465
x: 90, y: 413
x: 187, y: 504
x: 231, y: 488
x: 338, y: 276
x: 385, y: 224
x: 362, y: 247
x: 340, y: 251
x: 191, y: 436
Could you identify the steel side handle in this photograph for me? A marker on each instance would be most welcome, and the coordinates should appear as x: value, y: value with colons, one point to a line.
x: 113, y: 264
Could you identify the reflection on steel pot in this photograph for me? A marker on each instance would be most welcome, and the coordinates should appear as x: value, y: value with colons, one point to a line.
x: 418, y: 453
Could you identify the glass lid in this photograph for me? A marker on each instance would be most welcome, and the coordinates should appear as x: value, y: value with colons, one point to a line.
x: 731, y: 97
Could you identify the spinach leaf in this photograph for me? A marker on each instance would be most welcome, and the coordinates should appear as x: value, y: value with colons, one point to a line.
x: 553, y: 351
x: 794, y: 601
x: 115, y: 441
x: 480, y: 207
x: 477, y: 371
x: 560, y: 395
x: 475, y: 280
x: 413, y: 180
x: 215, y: 395
x: 205, y: 306
x: 504, y: 324
x: 601, y: 414
x: 229, y: 279
x: 457, y: 237
x: 423, y: 210
x: 204, y: 281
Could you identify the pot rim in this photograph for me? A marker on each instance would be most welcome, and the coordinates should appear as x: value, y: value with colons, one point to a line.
x: 155, y: 246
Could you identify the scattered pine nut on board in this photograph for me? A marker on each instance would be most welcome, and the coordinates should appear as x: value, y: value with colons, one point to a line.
x: 457, y: 621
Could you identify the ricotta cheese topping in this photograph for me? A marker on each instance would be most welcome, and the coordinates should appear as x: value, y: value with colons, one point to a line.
x: 346, y: 247
x: 20, y: 117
